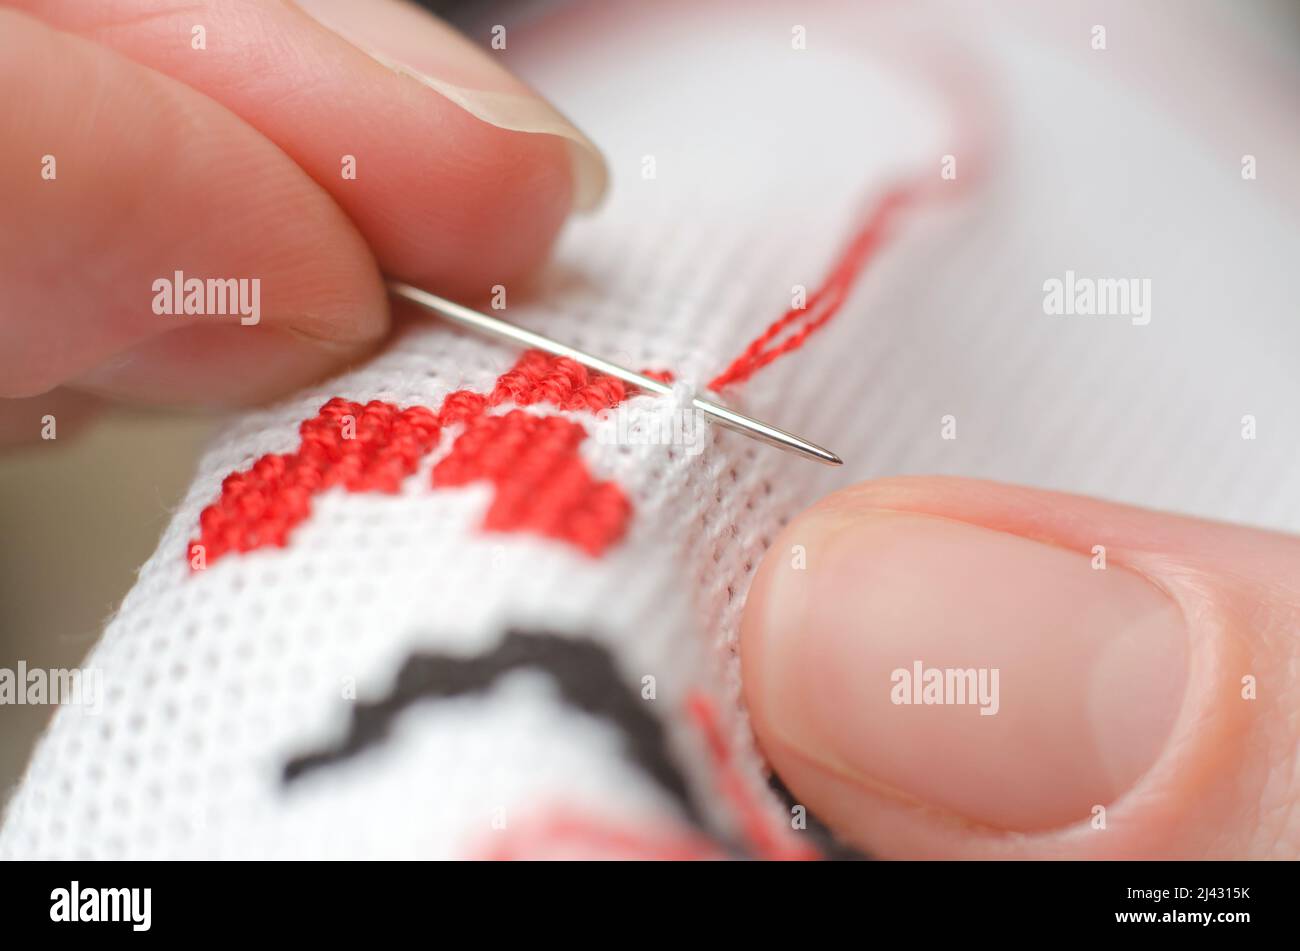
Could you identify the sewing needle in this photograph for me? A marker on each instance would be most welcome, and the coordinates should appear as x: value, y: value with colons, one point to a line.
x: 755, y: 429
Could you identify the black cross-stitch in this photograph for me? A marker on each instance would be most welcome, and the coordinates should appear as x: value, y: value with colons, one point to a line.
x: 585, y: 674
x: 583, y: 671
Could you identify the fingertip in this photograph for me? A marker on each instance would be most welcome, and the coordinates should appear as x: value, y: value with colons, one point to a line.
x: 220, y: 367
x: 456, y: 174
x: 45, y: 418
x: 966, y: 682
x: 173, y: 255
x: 501, y: 177
x: 417, y: 44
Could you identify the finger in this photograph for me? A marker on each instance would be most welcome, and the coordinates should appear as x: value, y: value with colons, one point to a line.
x: 115, y: 177
x: 45, y: 418
x: 1144, y: 699
x: 412, y: 130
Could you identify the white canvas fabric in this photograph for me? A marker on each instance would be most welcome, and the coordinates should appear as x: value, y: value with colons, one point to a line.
x: 763, y: 158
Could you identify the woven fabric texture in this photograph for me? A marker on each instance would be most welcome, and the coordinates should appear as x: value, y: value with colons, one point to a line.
x: 411, y: 676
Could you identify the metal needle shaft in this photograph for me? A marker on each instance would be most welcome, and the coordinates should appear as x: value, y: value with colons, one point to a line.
x: 466, y: 317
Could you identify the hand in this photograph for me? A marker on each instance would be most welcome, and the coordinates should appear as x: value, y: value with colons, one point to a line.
x: 241, y: 140
x: 1145, y: 704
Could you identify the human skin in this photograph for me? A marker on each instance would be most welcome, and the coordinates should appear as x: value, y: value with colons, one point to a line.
x: 1160, y: 687
x: 1120, y: 687
x: 227, y: 162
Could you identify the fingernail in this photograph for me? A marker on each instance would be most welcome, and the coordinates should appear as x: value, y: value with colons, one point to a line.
x: 409, y: 41
x: 1009, y: 682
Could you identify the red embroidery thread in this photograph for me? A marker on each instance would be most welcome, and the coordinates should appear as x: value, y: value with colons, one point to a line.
x: 755, y: 824
x: 800, y: 323
x: 539, y: 377
x: 566, y: 834
x: 563, y: 833
x: 541, y: 482
x: 261, y: 506
x: 539, y: 479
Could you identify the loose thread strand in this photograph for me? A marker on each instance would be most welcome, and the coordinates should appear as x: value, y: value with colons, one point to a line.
x: 796, y: 325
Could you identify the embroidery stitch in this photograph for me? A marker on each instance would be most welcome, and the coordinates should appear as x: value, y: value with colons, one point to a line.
x: 540, y: 481
x: 261, y: 506
x: 583, y: 671
x: 587, y: 678
x: 540, y: 377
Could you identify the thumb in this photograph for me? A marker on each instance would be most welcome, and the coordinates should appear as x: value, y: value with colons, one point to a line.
x: 952, y: 668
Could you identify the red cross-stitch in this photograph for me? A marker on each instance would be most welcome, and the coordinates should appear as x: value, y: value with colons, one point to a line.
x: 540, y: 481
